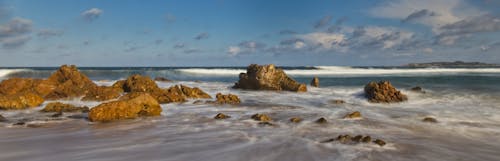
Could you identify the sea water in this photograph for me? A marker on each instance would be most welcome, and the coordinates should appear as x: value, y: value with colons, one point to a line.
x: 465, y: 101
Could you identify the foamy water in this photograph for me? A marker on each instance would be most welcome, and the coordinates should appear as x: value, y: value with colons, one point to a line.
x: 468, y: 129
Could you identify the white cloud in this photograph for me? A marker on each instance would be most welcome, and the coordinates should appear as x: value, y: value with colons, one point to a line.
x: 233, y: 50
x: 324, y: 40
x: 15, y: 32
x: 299, y: 45
x: 382, y: 37
x: 91, y: 14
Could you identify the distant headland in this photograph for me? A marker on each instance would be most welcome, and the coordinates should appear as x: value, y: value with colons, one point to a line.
x: 451, y: 64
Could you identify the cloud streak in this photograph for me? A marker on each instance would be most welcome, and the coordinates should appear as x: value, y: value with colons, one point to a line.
x: 91, y: 14
x: 15, y: 32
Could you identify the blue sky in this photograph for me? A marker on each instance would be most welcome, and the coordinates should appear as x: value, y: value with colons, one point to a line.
x: 240, y: 32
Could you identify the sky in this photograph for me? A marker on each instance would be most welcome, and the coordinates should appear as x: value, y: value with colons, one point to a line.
x: 241, y: 32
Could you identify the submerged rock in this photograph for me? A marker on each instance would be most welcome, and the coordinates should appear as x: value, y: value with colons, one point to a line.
x: 321, y: 121
x: 430, y: 120
x: 383, y: 92
x: 220, y: 116
x: 62, y: 107
x: 227, y: 99
x: 261, y: 117
x: 379, y: 142
x: 162, y: 79
x: 353, y: 115
x: 296, y: 119
x: 366, y: 139
x: 417, y: 89
x: 3, y: 119
x: 315, y: 82
x: 337, y: 101
x: 357, y: 138
x: 267, y: 77
x: 58, y: 114
x: 20, y: 101
x: 141, y: 105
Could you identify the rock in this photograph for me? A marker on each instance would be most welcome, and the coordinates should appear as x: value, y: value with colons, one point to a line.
x: 102, y: 93
x: 357, y: 138
x: 68, y: 83
x: 20, y: 101
x: 430, y: 120
x: 15, y: 86
x: 379, y: 142
x: 179, y: 93
x: 296, y: 119
x: 198, y: 102
x: 266, y: 123
x: 328, y: 140
x: 19, y: 123
x: 366, y: 139
x: 268, y: 77
x: 261, y: 117
x: 61, y: 107
x: 58, y: 114
x: 141, y: 105
x: 3, y: 119
x: 321, y: 121
x: 315, y: 82
x: 353, y: 115
x: 221, y: 116
x: 416, y: 89
x: 383, y: 92
x: 337, y: 101
x: 344, y: 139
x: 162, y: 79
x: 193, y: 92
x: 137, y: 83
x: 227, y: 99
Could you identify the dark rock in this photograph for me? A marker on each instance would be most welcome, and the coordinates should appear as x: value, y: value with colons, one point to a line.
x: 357, y: 138
x: 296, y: 119
x: 328, y: 140
x: 337, y: 101
x: 197, y: 102
x: 315, y: 82
x: 383, y: 92
x: 268, y: 77
x: 416, y: 89
x: 430, y: 120
x: 353, y: 115
x: 19, y: 123
x: 266, y: 123
x: 379, y: 142
x: 321, y: 120
x: 366, y: 139
x: 261, y: 117
x: 61, y: 107
x: 221, y: 116
x: 162, y: 79
x: 141, y: 105
x: 3, y: 119
x: 20, y: 101
x: 344, y: 139
x: 59, y: 114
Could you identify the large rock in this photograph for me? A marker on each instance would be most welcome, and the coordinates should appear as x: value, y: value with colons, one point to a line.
x: 383, y: 92
x: 20, y: 101
x: 268, y: 77
x: 141, y: 105
x: 69, y: 83
x: 62, y: 107
x: 102, y: 93
x: 315, y: 82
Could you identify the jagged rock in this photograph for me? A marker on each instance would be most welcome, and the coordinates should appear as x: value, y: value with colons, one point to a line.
x: 62, y: 107
x: 321, y: 120
x: 227, y: 99
x: 366, y: 139
x: 261, y: 117
x: 337, y: 101
x: 68, y: 82
x: 315, y: 82
x: 383, y: 92
x: 221, y: 116
x: 162, y: 79
x: 3, y: 119
x: 14, y: 86
x: 430, y: 120
x: 20, y: 101
x: 353, y: 115
x: 379, y: 142
x: 296, y: 119
x: 102, y: 93
x: 268, y: 77
x: 141, y: 105
x: 193, y: 92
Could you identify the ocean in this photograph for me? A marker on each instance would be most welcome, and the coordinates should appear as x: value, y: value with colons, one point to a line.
x: 465, y: 102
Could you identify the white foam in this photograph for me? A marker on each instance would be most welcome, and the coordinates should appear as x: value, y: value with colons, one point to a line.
x: 349, y: 71
x: 5, y: 72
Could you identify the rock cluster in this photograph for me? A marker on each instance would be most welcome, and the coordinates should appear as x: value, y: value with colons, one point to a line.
x: 132, y: 107
x: 348, y: 139
x: 227, y: 99
x: 268, y: 77
x: 383, y: 92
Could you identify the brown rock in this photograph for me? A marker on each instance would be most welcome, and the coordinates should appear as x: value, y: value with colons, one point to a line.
x: 68, y: 82
x: 227, y: 99
x: 267, y: 77
x: 357, y: 138
x: 193, y: 92
x: 296, y: 119
x: 137, y: 83
x: 140, y: 105
x: 162, y: 79
x: 315, y: 82
x: 221, y: 116
x: 344, y: 139
x: 379, y: 142
x: 62, y: 107
x: 14, y: 86
x: 366, y: 139
x: 321, y: 120
x: 102, y: 93
x: 383, y: 92
x: 353, y: 115
x: 20, y: 101
x: 337, y: 101
x: 261, y: 117
x: 430, y: 120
